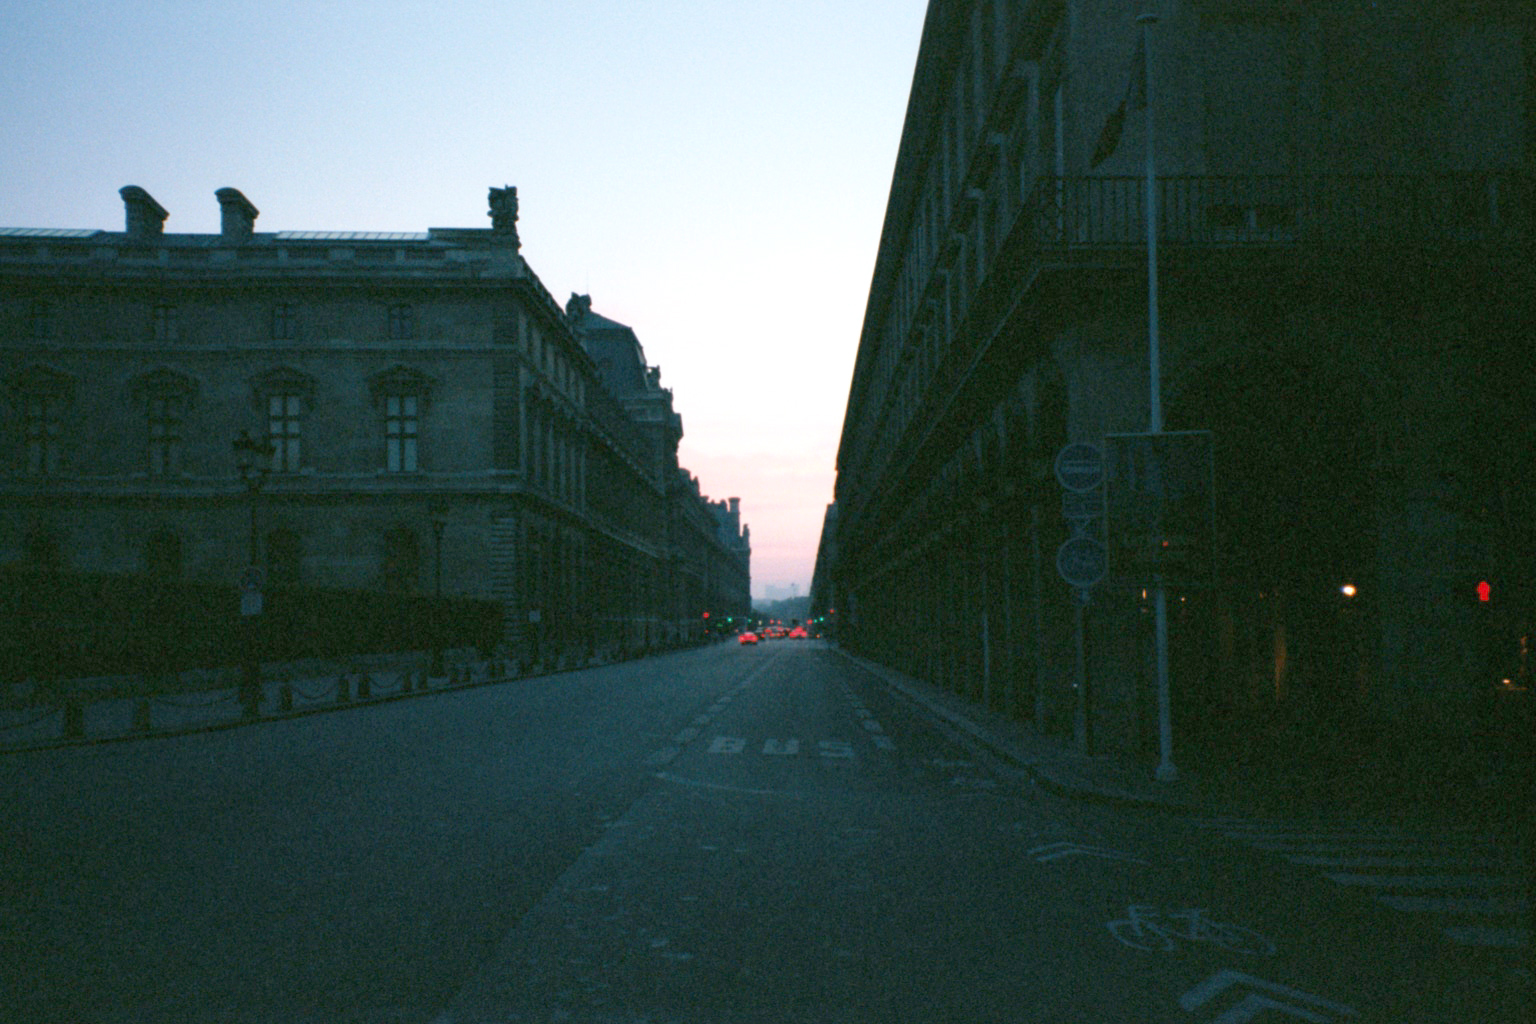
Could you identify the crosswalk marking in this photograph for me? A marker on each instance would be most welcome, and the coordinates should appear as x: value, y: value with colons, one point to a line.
x: 1462, y: 906
x: 1406, y: 872
x: 1505, y: 938
x: 1427, y: 881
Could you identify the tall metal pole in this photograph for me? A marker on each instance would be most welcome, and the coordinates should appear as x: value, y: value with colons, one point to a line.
x: 437, y: 591
x: 1166, y: 772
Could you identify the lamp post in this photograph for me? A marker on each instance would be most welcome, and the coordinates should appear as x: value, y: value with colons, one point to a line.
x: 253, y: 458
x: 439, y: 521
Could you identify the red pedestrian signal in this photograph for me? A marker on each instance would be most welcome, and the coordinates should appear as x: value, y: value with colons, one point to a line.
x: 1484, y: 591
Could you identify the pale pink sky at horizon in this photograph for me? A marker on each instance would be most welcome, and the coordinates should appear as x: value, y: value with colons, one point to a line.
x: 713, y: 174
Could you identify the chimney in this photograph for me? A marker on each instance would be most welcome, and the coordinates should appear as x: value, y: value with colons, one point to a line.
x: 146, y: 218
x: 238, y: 216
x: 735, y: 506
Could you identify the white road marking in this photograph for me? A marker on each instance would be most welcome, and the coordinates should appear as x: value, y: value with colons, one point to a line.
x: 883, y: 741
x: 835, y: 748
x: 787, y: 747
x: 1492, y: 906
x: 1502, y: 938
x: 727, y: 745
x: 663, y: 756
x: 1428, y: 881
x: 1213, y: 986
x: 1383, y: 862
x: 872, y: 725
x: 686, y: 736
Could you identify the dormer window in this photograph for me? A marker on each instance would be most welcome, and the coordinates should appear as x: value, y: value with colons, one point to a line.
x: 40, y: 315
x: 402, y: 323
x: 162, y: 323
x: 284, y: 322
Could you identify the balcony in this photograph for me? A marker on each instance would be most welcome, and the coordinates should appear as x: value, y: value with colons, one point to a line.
x: 1068, y: 218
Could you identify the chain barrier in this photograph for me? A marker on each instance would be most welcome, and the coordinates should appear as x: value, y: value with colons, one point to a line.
x: 196, y: 704
x: 46, y: 713
x: 359, y: 685
x: 313, y: 698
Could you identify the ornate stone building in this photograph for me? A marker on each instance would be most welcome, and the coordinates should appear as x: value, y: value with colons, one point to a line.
x: 1344, y: 228
x: 432, y: 416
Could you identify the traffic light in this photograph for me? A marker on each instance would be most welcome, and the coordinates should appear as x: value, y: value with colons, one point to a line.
x: 1484, y: 591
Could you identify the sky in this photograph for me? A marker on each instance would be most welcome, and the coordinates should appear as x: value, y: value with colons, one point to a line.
x: 713, y: 173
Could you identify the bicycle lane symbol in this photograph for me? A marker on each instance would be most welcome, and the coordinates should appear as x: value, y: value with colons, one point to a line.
x: 1147, y: 927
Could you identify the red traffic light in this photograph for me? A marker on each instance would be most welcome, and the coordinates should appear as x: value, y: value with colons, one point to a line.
x: 1484, y: 591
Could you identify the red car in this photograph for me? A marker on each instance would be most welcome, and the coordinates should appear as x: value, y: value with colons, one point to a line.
x: 747, y: 638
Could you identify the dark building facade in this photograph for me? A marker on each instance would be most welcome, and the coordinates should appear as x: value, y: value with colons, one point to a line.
x: 1344, y: 229
x: 432, y: 417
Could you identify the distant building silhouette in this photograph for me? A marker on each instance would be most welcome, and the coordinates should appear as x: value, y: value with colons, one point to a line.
x: 399, y: 380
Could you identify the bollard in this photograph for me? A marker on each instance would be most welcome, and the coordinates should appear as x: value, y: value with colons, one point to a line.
x: 141, y: 715
x: 285, y: 698
x: 343, y: 690
x: 364, y: 687
x: 74, y: 719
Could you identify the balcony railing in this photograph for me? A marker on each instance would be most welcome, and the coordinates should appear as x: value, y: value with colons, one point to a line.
x: 1066, y: 214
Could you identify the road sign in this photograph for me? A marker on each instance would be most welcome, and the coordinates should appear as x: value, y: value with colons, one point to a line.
x: 1079, y: 466
x: 1082, y: 561
x: 1159, y: 508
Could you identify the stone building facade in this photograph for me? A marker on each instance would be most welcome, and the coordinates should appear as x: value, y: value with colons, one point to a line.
x: 1344, y: 229
x: 433, y: 415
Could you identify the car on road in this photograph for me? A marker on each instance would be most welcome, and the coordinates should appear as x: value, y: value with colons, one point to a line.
x: 797, y: 633
x: 748, y: 637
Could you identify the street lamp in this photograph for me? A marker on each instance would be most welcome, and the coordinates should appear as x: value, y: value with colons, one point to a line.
x: 253, y: 459
x: 439, y: 521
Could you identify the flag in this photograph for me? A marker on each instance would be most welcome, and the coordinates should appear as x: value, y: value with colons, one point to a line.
x: 1135, y: 98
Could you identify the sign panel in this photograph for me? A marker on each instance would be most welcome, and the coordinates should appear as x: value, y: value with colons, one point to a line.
x: 1079, y: 466
x: 1159, y: 507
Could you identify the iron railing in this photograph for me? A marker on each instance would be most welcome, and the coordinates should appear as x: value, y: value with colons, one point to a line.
x: 1065, y: 214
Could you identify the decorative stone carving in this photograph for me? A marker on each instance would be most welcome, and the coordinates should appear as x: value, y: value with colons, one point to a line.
x: 503, y: 213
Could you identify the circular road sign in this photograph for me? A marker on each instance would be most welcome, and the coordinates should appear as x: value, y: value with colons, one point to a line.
x: 1082, y: 561
x: 1080, y: 466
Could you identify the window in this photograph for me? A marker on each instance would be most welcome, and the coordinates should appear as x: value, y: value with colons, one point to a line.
x: 284, y: 323
x: 41, y: 316
x: 162, y: 322
x: 165, y: 415
x: 283, y: 430
x: 400, y: 432
x: 43, y: 417
x: 402, y: 323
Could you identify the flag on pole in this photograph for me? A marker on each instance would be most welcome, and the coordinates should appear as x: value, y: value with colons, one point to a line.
x: 1135, y: 98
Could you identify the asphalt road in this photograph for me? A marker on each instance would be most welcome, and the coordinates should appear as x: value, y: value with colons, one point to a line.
x: 731, y: 834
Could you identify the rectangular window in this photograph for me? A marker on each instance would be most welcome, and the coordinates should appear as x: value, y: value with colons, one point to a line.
x: 400, y: 432
x: 283, y: 422
x: 402, y: 323
x: 42, y: 321
x: 43, y: 419
x: 284, y: 327
x: 164, y: 435
x: 163, y: 323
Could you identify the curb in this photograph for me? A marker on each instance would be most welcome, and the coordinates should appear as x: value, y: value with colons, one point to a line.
x: 1038, y: 771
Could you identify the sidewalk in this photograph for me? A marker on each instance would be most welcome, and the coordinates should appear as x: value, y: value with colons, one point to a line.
x: 1433, y: 790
